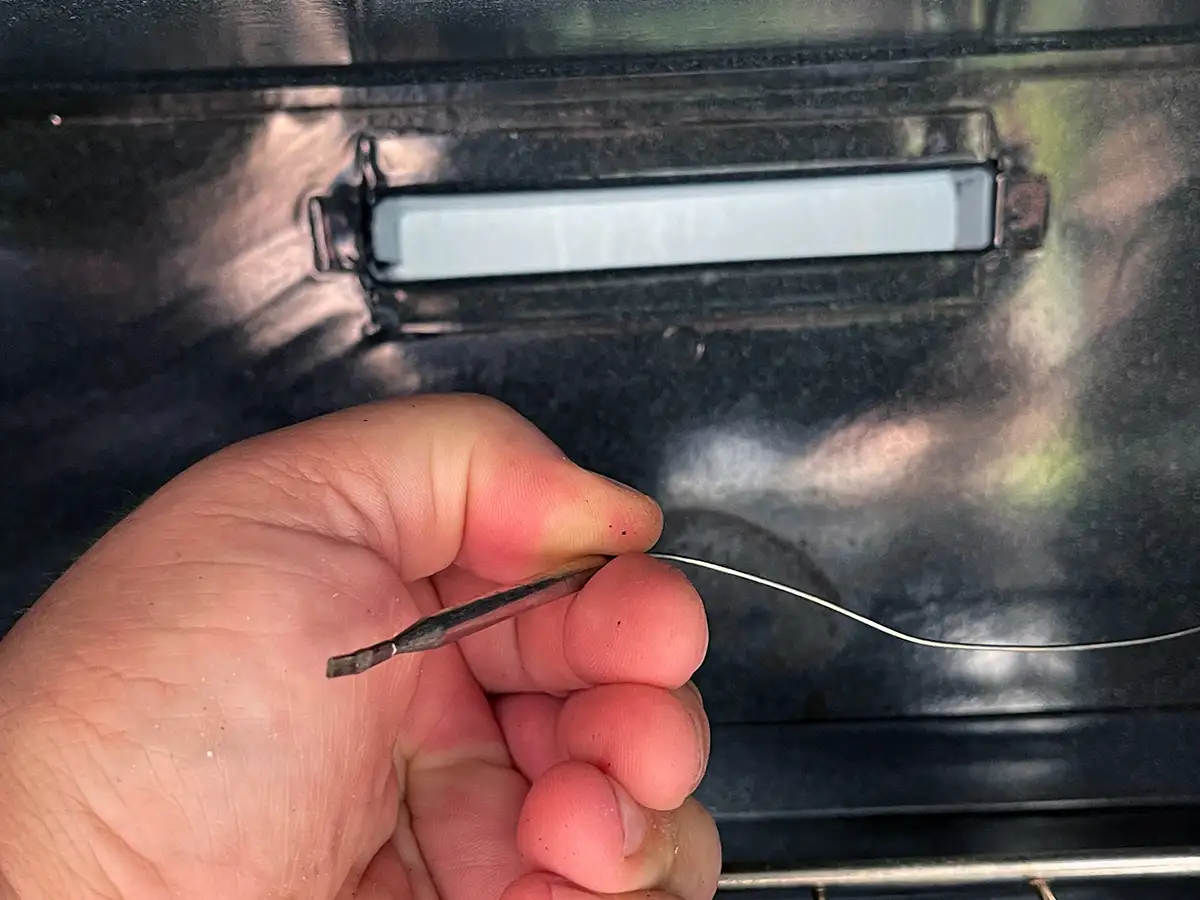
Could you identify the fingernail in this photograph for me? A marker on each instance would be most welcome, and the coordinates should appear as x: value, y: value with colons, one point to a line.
x: 694, y: 713
x: 633, y: 821
x: 690, y: 687
x: 699, y: 723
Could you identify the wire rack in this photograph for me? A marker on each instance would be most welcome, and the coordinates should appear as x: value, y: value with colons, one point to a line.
x: 1039, y: 874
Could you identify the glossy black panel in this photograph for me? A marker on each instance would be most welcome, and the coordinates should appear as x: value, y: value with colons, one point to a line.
x: 535, y: 28
x: 78, y: 36
x: 1029, y: 17
x: 938, y: 767
x: 759, y: 843
x: 76, y: 39
x: 1018, y: 464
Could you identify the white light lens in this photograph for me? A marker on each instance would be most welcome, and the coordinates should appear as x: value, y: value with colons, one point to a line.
x: 433, y: 238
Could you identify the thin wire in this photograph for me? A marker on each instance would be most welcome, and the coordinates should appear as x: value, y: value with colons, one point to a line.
x: 921, y: 641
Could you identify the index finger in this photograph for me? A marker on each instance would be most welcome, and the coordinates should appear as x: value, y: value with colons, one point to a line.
x: 637, y: 621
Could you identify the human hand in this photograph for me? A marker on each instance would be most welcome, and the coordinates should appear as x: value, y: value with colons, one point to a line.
x: 167, y: 730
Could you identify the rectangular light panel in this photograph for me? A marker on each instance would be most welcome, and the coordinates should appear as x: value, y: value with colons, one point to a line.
x: 445, y: 237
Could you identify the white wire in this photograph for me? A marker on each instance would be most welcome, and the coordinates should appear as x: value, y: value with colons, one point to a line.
x: 921, y: 641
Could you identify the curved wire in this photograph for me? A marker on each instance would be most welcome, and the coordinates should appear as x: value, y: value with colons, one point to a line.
x: 921, y: 641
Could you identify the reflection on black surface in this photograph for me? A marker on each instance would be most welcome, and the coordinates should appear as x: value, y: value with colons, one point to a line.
x: 537, y: 28
x: 54, y: 40
x: 1029, y: 17
x: 68, y: 39
x: 767, y: 646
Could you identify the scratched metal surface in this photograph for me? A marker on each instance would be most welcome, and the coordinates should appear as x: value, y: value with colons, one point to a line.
x: 1008, y: 459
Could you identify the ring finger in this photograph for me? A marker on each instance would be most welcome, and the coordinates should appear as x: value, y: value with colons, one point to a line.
x: 652, y: 741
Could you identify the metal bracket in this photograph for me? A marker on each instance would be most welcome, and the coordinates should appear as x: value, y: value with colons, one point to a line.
x: 1022, y: 211
x: 340, y: 219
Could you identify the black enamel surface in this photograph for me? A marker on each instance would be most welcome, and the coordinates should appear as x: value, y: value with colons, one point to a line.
x: 76, y: 38
x: 977, y: 449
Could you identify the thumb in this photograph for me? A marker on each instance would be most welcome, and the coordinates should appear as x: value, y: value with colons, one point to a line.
x: 425, y: 483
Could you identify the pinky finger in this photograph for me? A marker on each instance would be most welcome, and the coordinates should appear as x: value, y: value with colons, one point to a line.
x: 584, y: 827
x: 543, y: 886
